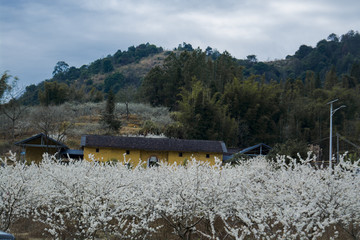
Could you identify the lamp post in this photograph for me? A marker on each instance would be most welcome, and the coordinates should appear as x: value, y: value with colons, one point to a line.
x: 332, y: 112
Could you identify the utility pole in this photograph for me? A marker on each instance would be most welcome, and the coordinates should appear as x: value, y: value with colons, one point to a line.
x: 337, y: 147
x: 330, y: 141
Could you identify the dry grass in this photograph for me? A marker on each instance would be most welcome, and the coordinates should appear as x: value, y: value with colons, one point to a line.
x: 26, y: 229
x: 85, y: 119
x: 141, y: 68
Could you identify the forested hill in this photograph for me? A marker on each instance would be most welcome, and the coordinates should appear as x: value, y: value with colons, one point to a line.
x: 122, y: 71
x: 339, y: 52
x: 215, y: 96
x: 127, y: 69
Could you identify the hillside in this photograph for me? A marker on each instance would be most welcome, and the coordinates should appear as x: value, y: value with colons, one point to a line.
x: 122, y: 70
x: 243, y: 102
x: 68, y: 122
x: 340, y: 52
x: 214, y: 96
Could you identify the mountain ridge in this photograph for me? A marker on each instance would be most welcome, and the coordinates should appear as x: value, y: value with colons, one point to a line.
x: 126, y: 69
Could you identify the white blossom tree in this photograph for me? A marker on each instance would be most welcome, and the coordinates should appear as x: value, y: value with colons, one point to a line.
x: 15, y: 191
x: 85, y: 198
x: 283, y: 199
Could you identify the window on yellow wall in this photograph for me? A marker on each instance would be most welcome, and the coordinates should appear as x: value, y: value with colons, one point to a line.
x: 207, y: 155
x: 97, y: 150
x: 127, y: 152
x: 180, y: 154
x: 153, y: 161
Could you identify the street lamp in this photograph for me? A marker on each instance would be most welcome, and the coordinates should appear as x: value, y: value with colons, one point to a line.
x: 332, y: 112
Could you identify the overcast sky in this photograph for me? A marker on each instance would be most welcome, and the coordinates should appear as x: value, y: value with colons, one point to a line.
x: 36, y: 34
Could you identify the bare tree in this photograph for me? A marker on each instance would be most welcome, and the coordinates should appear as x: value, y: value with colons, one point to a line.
x: 4, y: 126
x: 13, y: 111
x: 53, y: 121
x: 10, y: 105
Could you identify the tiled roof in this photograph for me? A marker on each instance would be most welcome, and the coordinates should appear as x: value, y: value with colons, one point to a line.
x: 47, y: 141
x: 153, y: 144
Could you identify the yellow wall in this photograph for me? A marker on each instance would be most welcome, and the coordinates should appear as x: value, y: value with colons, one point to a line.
x: 199, y: 156
x: 35, y: 154
x: 108, y: 154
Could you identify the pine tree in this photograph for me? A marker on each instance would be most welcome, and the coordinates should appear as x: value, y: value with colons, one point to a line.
x: 331, y: 79
x: 318, y: 81
x: 355, y: 72
x: 108, y: 118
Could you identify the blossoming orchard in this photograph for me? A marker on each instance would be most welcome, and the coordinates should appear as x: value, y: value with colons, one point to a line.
x: 257, y: 199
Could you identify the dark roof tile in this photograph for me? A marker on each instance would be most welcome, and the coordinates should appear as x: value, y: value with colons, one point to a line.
x: 153, y: 144
x: 48, y: 141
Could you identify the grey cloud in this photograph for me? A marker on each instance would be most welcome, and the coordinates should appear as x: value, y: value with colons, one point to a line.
x: 39, y: 33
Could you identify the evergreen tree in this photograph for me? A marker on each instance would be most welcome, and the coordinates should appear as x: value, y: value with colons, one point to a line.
x: 109, y: 119
x: 331, y: 79
x: 348, y: 81
x: 355, y: 72
x: 202, y: 116
x: 317, y: 81
x: 54, y: 93
x: 107, y: 65
x: 310, y: 82
x: 152, y: 87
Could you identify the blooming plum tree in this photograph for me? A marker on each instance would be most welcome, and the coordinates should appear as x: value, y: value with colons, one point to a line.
x: 284, y: 199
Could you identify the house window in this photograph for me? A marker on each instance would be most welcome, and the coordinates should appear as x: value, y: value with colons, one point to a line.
x: 127, y: 152
x: 97, y: 150
x: 207, y: 155
x: 180, y: 154
x: 153, y: 161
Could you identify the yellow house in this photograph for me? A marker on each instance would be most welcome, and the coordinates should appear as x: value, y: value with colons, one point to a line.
x: 150, y: 150
x: 34, y: 147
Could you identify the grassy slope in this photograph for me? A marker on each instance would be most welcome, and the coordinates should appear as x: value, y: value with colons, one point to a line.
x: 141, y: 68
x: 85, y: 120
x: 137, y: 69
